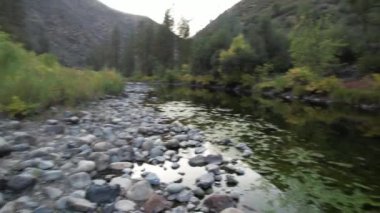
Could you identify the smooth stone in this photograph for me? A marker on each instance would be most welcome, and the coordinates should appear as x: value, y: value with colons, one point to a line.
x: 198, y: 160
x: 232, y: 210
x: 217, y: 203
x: 184, y: 196
x: 21, y: 182
x: 181, y: 137
x: 174, y: 188
x: 87, y: 139
x: 124, y: 183
x: 78, y: 194
x: 101, y: 160
x: 199, y: 150
x: 199, y: 192
x: 175, y: 166
x: 180, y: 209
x: 231, y: 181
x: 153, y: 179
x: 80, y: 180
x: 121, y: 165
x: 156, y: 203
x: 214, y: 159
x: 86, y: 166
x: 24, y: 138
x: 102, y: 193
x: 125, y: 205
x: 19, y: 148
x: 213, y: 168
x: 53, y: 193
x: 156, y: 151
x: 52, y: 122
x: 206, y: 181
x: 102, y: 146
x: 5, y: 148
x: 52, y: 175
x: 99, y: 182
x: 43, y: 209
x: 45, y: 164
x: 140, y: 191
x: 80, y: 204
x: 173, y: 145
x: 55, y: 129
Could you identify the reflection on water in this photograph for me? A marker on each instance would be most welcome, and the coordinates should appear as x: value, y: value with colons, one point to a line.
x: 324, y: 159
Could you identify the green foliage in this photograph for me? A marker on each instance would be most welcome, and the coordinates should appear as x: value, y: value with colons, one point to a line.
x: 369, y: 63
x: 29, y: 82
x: 314, y: 45
x: 184, y: 28
x: 324, y: 85
x: 238, y: 59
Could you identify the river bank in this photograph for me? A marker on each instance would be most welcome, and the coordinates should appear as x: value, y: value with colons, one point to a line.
x: 118, y: 155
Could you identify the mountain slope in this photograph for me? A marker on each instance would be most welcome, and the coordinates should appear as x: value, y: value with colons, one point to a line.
x: 266, y: 26
x: 70, y: 29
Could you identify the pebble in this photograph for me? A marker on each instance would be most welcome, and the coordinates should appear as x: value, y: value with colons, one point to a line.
x: 125, y: 205
x: 80, y: 180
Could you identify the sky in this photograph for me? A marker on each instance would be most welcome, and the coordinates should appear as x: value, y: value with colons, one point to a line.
x: 200, y: 12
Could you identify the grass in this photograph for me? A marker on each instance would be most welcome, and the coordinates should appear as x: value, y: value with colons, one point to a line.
x: 30, y: 82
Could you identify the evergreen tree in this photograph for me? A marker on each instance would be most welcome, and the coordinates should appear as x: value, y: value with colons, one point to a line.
x: 184, y: 28
x: 168, y: 20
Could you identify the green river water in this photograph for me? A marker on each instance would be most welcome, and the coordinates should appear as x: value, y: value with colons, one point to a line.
x: 322, y: 159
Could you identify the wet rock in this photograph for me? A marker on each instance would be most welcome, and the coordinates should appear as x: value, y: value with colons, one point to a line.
x: 79, y: 204
x: 24, y: 138
x: 21, y: 182
x: 9, y: 207
x: 213, y: 168
x: 174, y: 188
x: 73, y: 120
x: 102, y: 146
x: 206, y: 181
x: 87, y: 139
x: 232, y: 210
x: 247, y: 153
x: 184, y: 196
x: 198, y: 160
x: 153, y: 179
x: 41, y: 152
x: 157, y: 151
x: 53, y: 193
x: 55, y: 129
x: 5, y: 148
x: 231, y: 181
x: 101, y: 160
x: 124, y: 183
x: 175, y: 166
x: 86, y: 166
x: 172, y: 145
x: 199, y: 192
x: 80, y: 180
x: 214, y: 159
x: 102, y: 193
x: 140, y: 191
x: 13, y: 125
x: 125, y: 205
x: 179, y: 209
x: 52, y: 175
x: 43, y: 209
x: 19, y: 148
x: 147, y: 145
x: 52, y: 122
x: 217, y: 203
x: 181, y: 137
x: 121, y: 165
x: 199, y: 150
x: 1, y: 199
x: 46, y: 164
x: 156, y: 203
x: 78, y: 194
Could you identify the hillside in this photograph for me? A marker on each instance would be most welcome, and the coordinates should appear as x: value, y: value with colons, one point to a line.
x: 80, y: 33
x: 266, y: 26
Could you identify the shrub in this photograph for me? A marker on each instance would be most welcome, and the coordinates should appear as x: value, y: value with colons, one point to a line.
x: 325, y: 85
x: 369, y: 63
x: 29, y: 82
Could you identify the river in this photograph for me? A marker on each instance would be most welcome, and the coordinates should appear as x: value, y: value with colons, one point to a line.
x: 306, y: 158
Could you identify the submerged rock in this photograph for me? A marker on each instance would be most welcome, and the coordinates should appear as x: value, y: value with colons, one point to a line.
x: 217, y: 203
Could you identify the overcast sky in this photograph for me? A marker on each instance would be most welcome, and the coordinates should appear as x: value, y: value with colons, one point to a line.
x: 200, y: 12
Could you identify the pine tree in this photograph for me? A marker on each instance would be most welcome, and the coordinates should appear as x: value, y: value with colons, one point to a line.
x: 184, y: 28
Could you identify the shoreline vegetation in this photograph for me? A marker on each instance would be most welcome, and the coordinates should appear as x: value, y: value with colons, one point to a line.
x: 30, y: 83
x: 296, y: 84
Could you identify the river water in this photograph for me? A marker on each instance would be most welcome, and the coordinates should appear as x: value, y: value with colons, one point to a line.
x: 306, y: 158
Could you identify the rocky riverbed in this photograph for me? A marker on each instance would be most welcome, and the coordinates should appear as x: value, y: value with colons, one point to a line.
x: 116, y: 155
